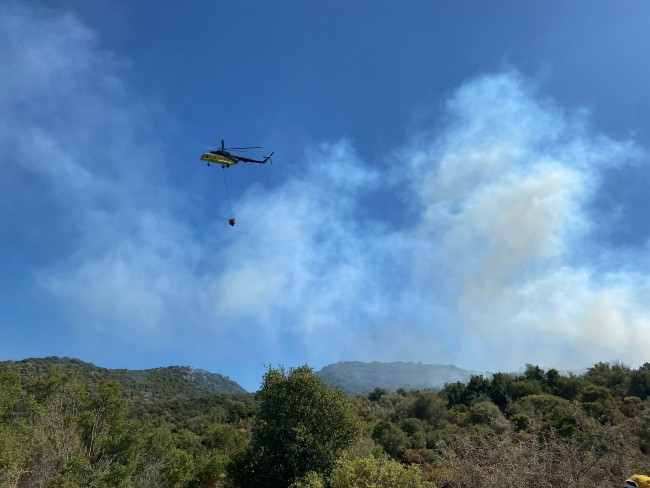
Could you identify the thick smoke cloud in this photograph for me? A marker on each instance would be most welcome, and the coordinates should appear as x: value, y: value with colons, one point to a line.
x: 505, y: 199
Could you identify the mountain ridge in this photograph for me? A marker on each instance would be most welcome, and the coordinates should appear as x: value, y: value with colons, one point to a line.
x: 167, y: 383
x: 356, y: 377
x: 161, y: 383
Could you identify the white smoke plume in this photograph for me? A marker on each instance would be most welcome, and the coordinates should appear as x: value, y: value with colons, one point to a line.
x: 494, y: 268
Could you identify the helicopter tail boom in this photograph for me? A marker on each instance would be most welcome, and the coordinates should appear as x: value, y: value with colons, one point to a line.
x: 267, y: 158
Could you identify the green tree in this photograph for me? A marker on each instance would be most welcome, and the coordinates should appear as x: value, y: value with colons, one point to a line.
x: 535, y: 373
x: 15, y: 453
x: 415, y: 429
x: 477, y: 387
x: 640, y: 382
x: 10, y: 393
x: 302, y: 426
x: 521, y: 388
x: 428, y: 406
x: 159, y: 462
x: 500, y: 387
x: 547, y: 411
x: 569, y: 387
x: 614, y: 376
x: 376, y: 394
x: 487, y: 413
x: 107, y: 425
x: 552, y: 381
x: 56, y: 402
x: 225, y: 439
x: 312, y: 480
x: 375, y: 473
x: 643, y: 428
x: 597, y: 401
x: 393, y: 439
x: 455, y: 393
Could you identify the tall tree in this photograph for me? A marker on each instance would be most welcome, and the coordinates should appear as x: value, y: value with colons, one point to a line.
x: 302, y: 426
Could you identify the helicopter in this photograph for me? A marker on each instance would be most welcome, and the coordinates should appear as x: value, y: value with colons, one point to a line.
x: 226, y: 160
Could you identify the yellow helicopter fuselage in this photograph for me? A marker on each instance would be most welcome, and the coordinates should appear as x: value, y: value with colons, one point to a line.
x: 216, y: 158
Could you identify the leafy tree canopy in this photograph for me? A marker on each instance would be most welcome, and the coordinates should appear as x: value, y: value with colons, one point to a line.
x: 302, y: 426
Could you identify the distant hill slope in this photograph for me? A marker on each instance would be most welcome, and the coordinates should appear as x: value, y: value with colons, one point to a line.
x: 355, y: 377
x: 167, y: 383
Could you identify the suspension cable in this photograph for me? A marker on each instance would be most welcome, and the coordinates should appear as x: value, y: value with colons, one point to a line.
x: 225, y: 182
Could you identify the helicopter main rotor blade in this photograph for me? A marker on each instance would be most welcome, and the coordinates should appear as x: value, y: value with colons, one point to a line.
x: 247, y: 147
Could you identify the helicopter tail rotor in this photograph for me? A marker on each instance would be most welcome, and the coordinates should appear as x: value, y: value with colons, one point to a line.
x: 268, y: 158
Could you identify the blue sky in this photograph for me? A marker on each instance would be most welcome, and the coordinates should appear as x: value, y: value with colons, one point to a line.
x: 454, y: 182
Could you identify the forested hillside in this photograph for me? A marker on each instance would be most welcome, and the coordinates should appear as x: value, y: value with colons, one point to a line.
x: 357, y: 377
x: 536, y: 429
x: 157, y: 383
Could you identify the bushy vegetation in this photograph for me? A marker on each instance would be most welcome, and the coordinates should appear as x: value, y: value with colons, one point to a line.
x: 537, y: 429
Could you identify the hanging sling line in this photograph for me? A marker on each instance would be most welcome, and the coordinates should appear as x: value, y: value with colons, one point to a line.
x: 225, y: 182
x: 231, y: 220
